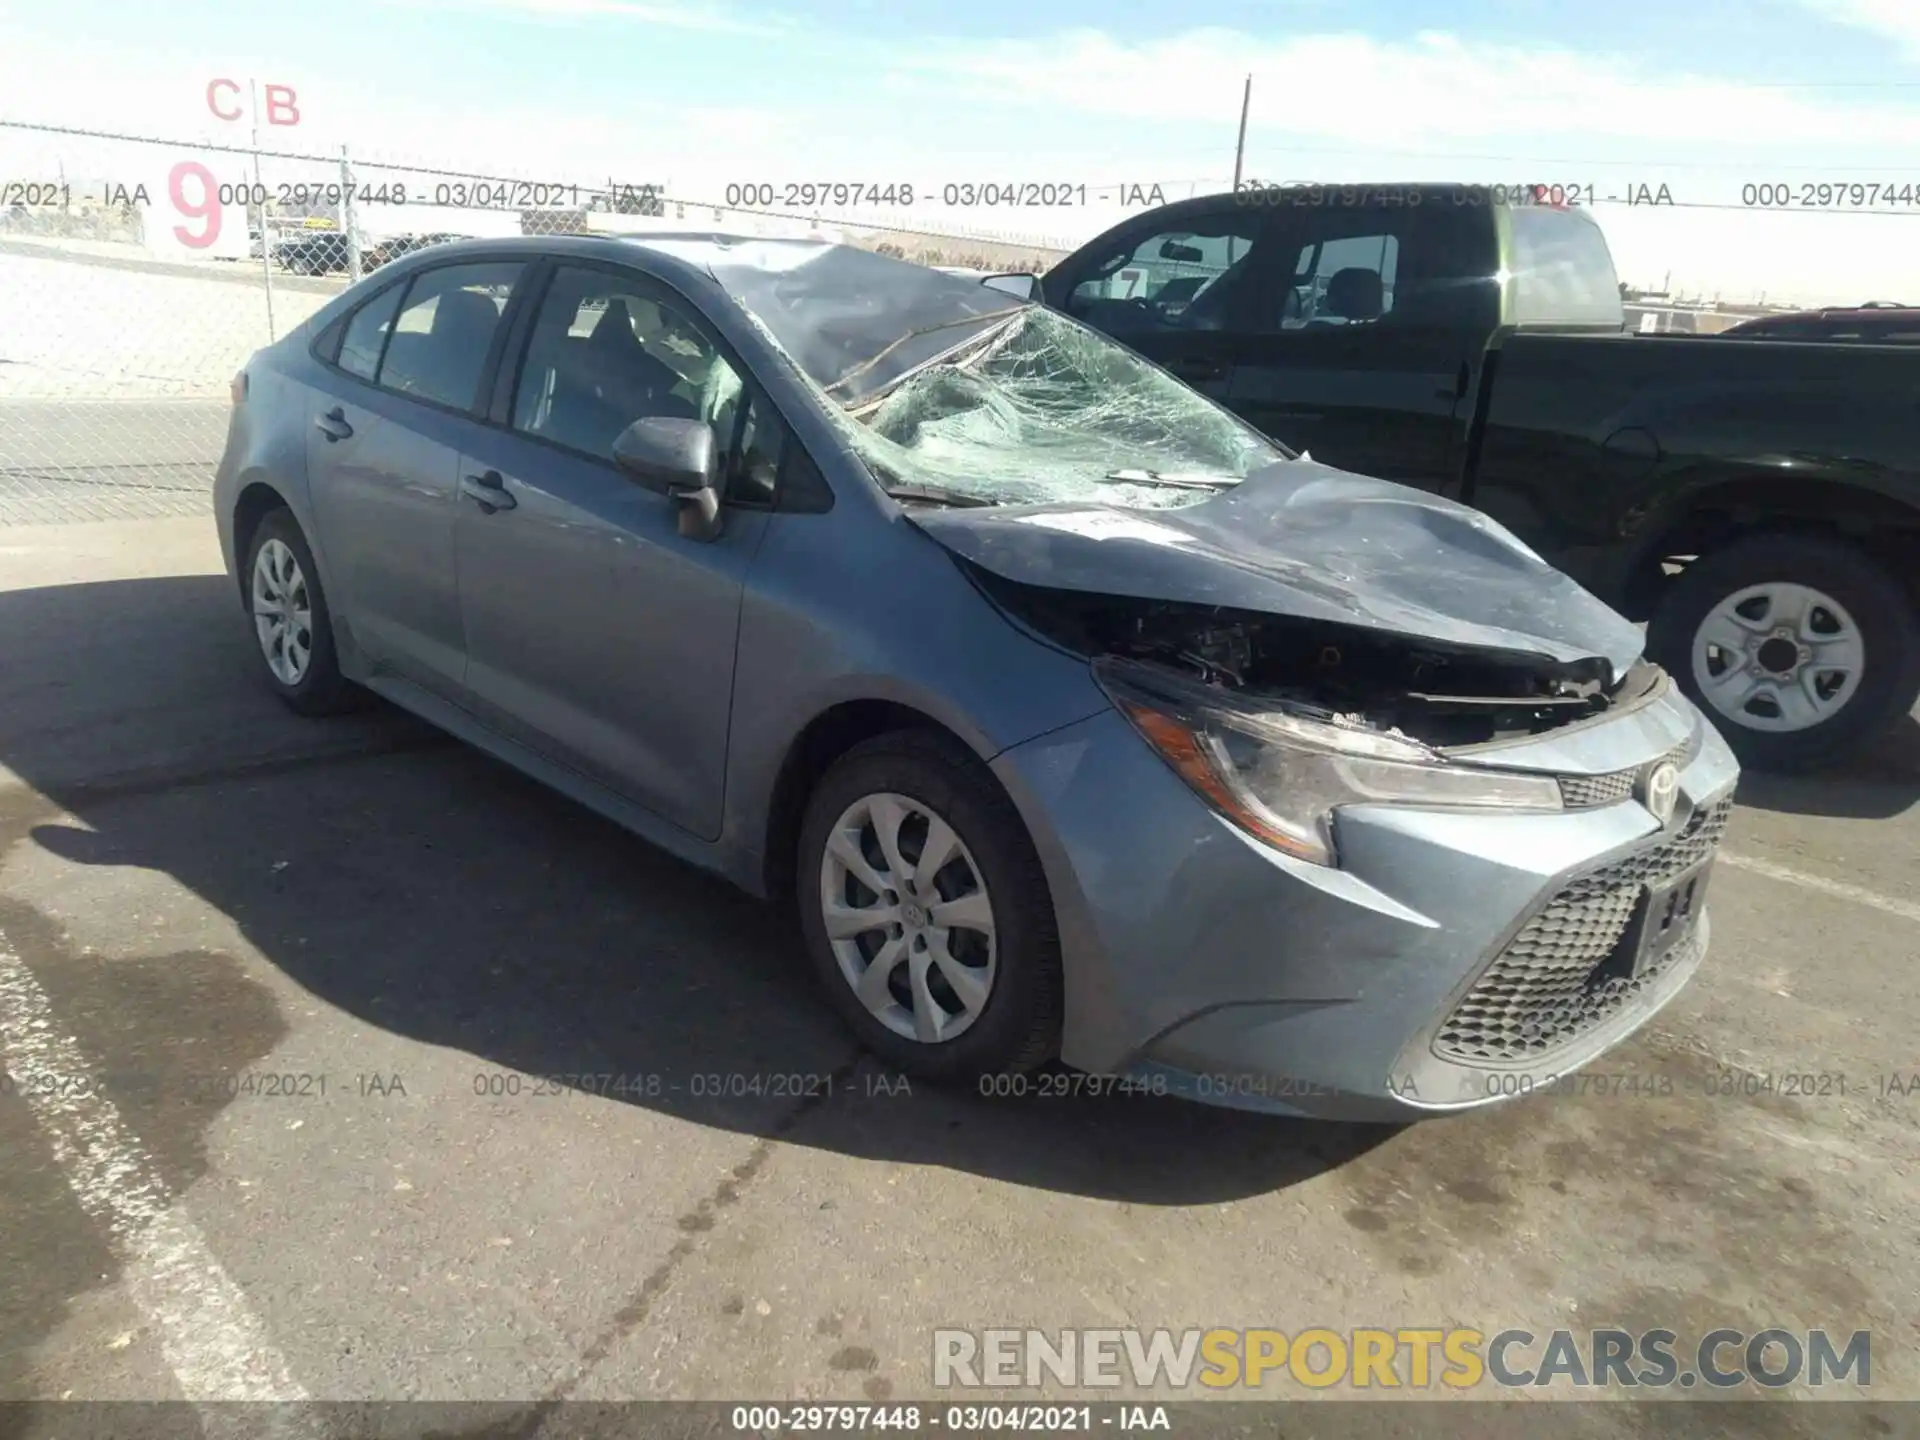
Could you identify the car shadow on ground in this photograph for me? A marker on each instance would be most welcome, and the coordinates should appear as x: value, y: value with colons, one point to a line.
x: 1879, y: 781
x: 425, y: 889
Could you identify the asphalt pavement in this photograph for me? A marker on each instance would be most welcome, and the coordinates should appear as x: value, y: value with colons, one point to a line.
x: 347, y: 1064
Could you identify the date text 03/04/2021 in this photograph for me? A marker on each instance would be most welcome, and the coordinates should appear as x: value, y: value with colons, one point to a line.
x: 953, y: 194
x: 1306, y: 194
x: 1002, y: 1419
x: 699, y: 1085
x: 192, y: 186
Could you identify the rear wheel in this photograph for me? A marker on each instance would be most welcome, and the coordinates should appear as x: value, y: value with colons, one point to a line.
x: 926, y: 913
x: 1797, y: 647
x: 292, y: 627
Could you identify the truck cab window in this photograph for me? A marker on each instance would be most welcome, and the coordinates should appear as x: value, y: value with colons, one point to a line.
x: 1200, y: 275
x: 1346, y: 280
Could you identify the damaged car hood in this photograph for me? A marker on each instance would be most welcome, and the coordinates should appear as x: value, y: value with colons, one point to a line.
x: 1306, y: 540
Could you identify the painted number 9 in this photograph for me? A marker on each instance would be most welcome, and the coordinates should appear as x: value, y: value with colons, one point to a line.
x: 205, y: 209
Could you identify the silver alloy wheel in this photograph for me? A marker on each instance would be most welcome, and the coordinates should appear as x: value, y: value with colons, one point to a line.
x: 1779, y: 657
x: 282, y: 612
x: 908, y: 916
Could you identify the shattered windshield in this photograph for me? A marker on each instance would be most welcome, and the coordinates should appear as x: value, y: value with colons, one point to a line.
x: 949, y: 393
x: 1042, y: 409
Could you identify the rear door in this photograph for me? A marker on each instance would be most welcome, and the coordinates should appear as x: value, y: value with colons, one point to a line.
x: 1368, y: 357
x: 383, y: 450
x: 1180, y: 288
x: 596, y: 633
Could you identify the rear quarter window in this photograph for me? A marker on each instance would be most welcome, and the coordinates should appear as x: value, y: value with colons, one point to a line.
x: 1559, y: 270
x: 366, y: 334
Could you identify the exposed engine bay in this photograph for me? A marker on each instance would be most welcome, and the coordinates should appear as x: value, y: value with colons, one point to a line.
x: 1442, y: 696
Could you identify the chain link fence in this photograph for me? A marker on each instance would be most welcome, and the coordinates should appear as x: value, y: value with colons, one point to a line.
x: 138, y: 274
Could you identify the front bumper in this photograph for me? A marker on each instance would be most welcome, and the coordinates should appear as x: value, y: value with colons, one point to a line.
x: 1448, y: 963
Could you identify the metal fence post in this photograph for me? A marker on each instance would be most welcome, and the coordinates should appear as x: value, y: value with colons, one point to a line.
x: 349, y: 218
x: 260, y: 189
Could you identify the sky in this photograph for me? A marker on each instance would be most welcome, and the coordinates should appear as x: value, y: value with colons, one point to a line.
x: 1104, y: 99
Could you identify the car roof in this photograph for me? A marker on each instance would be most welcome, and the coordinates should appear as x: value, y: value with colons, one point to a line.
x: 686, y: 257
x: 852, y: 319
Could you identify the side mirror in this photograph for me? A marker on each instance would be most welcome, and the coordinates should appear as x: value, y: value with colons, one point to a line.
x: 1022, y: 286
x: 678, y: 459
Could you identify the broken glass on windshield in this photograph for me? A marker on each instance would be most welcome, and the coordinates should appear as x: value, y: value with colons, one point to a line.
x: 945, y: 390
x: 1043, y: 410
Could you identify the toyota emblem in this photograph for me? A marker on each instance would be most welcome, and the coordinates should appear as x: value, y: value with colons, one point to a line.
x: 1660, y: 791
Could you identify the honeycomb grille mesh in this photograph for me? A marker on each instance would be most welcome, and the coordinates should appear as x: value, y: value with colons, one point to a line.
x: 1583, y: 792
x: 1540, y: 992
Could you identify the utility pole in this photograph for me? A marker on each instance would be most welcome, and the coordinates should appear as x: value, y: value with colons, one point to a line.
x: 1240, y: 147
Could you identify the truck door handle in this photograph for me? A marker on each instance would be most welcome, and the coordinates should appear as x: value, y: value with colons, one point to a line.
x: 488, y: 491
x: 334, y: 425
x: 1199, y: 369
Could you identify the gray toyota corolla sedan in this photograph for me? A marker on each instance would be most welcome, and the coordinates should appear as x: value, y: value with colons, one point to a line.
x: 1079, y: 720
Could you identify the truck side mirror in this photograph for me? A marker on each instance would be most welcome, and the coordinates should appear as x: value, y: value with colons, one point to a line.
x: 1015, y: 283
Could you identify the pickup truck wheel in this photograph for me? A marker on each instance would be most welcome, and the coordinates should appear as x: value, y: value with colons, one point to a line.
x: 1797, y: 648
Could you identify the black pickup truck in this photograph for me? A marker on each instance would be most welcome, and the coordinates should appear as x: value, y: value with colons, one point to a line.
x: 1756, y: 501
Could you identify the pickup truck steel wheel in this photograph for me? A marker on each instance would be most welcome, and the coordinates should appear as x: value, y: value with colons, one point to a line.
x: 1795, y: 647
x: 926, y: 913
x: 292, y: 627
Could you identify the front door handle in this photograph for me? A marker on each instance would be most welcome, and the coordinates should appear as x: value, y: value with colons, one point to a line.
x: 488, y: 491
x: 334, y: 424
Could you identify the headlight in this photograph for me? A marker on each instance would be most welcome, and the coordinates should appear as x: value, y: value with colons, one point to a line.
x: 1280, y: 773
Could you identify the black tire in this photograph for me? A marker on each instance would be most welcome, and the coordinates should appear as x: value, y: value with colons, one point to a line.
x: 1018, y: 1028
x: 322, y: 689
x: 1881, y: 607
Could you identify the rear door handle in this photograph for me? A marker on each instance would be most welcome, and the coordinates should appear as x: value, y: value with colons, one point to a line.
x: 1200, y: 369
x: 488, y: 491
x: 334, y: 424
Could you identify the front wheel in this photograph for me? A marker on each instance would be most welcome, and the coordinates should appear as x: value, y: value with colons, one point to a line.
x: 1798, y: 648
x: 926, y: 913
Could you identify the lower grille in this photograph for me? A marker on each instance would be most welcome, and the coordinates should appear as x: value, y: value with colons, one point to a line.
x: 1541, y: 992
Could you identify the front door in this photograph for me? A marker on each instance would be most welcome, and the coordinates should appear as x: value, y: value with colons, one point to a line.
x: 1177, y: 291
x: 596, y: 633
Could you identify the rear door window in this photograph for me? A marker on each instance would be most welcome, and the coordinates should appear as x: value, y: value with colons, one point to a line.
x: 1341, y: 279
x: 445, y: 329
